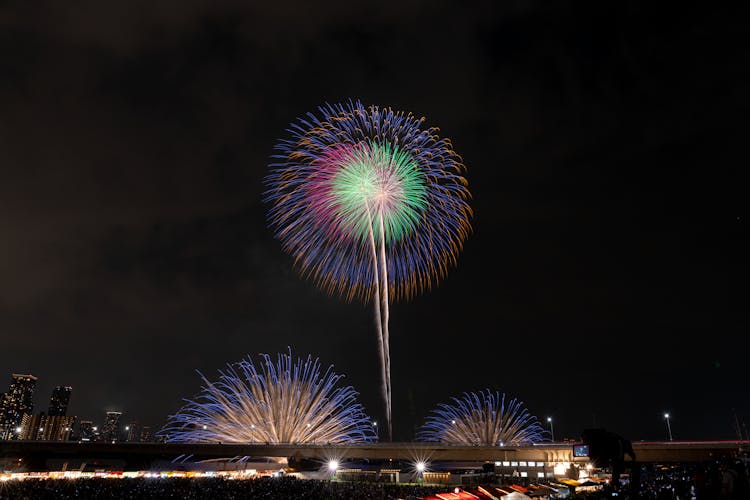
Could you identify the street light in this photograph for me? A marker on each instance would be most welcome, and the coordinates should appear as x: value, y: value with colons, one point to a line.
x: 669, y: 427
x: 551, y: 428
x: 377, y: 431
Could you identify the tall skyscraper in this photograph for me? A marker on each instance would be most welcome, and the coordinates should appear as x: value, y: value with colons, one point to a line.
x: 58, y: 403
x: 87, y: 430
x: 46, y: 427
x: 18, y: 401
x: 111, y: 427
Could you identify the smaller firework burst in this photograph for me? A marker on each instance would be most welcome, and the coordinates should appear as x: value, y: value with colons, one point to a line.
x: 289, y: 401
x: 484, y: 418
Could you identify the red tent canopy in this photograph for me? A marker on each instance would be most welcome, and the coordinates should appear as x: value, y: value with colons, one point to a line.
x: 461, y: 495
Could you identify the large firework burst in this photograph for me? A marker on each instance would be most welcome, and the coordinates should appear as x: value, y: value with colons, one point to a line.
x: 289, y: 401
x: 371, y: 205
x: 483, y: 418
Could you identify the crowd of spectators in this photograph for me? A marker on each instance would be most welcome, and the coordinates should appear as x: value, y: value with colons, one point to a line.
x: 720, y: 480
x: 725, y: 479
x: 282, y: 488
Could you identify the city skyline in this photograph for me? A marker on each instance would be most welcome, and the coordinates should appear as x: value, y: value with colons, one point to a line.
x: 601, y: 284
x: 22, y: 418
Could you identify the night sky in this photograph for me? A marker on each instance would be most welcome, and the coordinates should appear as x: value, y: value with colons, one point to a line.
x: 605, y: 279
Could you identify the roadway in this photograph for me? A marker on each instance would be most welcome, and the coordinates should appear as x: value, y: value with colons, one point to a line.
x: 144, y: 455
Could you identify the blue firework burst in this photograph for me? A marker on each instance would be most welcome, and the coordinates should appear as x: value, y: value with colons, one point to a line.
x: 485, y: 418
x: 287, y: 401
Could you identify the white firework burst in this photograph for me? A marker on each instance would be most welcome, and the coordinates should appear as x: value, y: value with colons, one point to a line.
x: 289, y: 401
x: 484, y: 419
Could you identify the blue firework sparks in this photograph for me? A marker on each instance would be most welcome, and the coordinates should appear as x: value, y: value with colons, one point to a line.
x: 371, y: 205
x: 289, y: 401
x: 348, y: 169
x: 484, y: 418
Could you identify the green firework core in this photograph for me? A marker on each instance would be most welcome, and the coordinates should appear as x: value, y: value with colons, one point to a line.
x: 379, y: 181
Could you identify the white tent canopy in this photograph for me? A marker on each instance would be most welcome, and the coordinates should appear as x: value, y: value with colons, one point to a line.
x: 516, y: 496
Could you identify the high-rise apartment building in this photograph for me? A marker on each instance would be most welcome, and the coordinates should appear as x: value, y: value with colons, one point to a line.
x: 87, y: 431
x: 17, y: 402
x: 46, y: 427
x: 59, y: 401
x: 111, y: 427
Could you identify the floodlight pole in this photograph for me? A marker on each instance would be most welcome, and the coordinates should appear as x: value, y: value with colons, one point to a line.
x: 551, y: 428
x: 669, y: 427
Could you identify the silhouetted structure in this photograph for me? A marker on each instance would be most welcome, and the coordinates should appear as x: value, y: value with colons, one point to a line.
x: 133, y: 432
x: 607, y: 449
x: 59, y: 401
x: 147, y: 434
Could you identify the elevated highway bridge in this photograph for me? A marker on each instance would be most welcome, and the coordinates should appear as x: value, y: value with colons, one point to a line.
x: 46, y: 455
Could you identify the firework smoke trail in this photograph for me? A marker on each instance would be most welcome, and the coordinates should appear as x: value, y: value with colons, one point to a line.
x: 482, y: 418
x: 283, y: 402
x: 371, y: 206
x: 382, y: 344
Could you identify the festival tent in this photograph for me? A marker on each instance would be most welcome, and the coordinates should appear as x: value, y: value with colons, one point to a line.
x: 540, y: 490
x: 519, y: 488
x: 516, y: 495
x: 461, y: 495
x: 486, y: 493
x: 588, y: 482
